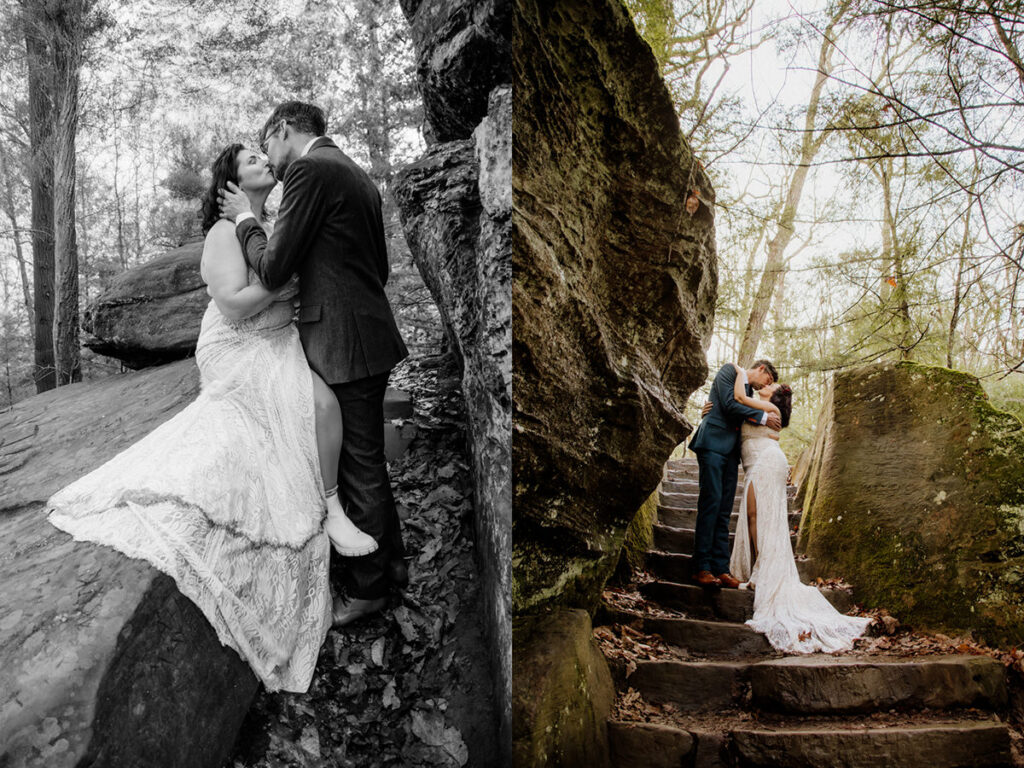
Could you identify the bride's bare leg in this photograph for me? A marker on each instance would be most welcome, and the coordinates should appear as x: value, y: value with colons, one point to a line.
x: 329, y: 431
x: 752, y: 521
x: 346, y: 538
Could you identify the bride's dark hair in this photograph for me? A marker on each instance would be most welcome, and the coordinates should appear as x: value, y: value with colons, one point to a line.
x: 782, y: 398
x: 224, y: 169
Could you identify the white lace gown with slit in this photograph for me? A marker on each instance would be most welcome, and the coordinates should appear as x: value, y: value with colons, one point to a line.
x: 226, y: 497
x: 795, y: 617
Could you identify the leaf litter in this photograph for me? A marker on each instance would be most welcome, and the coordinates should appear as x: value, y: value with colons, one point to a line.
x: 411, y: 686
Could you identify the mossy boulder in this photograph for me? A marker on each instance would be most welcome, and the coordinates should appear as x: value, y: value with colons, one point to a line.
x: 563, y: 692
x: 915, y: 493
x: 638, y: 540
x: 613, y: 293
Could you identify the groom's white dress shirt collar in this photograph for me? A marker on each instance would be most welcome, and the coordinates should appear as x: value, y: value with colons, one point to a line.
x: 305, y: 151
x: 309, y: 146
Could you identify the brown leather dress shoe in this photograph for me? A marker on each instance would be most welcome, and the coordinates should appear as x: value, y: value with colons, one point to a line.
x: 706, y: 579
x: 728, y: 580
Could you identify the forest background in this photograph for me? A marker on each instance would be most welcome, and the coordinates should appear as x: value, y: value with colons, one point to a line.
x: 868, y: 163
x: 111, y: 113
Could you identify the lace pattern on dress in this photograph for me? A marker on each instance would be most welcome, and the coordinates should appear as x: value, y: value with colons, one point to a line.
x: 226, y: 497
x: 795, y: 617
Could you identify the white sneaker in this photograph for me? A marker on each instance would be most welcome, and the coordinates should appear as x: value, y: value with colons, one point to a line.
x: 346, y: 538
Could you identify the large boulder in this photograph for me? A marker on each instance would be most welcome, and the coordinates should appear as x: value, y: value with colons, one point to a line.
x: 614, y: 292
x: 462, y: 54
x: 914, y: 492
x: 104, y: 661
x: 151, y: 313
x: 564, y: 692
x: 456, y: 208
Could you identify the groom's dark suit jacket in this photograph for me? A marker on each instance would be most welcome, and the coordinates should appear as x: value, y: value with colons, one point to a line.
x: 330, y: 231
x: 720, y: 429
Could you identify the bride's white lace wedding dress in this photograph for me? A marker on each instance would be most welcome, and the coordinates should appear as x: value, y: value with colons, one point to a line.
x: 226, y: 497
x: 795, y: 617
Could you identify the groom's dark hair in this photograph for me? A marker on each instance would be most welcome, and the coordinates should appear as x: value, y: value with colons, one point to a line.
x: 768, y: 367
x: 305, y: 118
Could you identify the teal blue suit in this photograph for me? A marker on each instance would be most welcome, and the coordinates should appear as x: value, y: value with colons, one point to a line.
x: 716, y: 443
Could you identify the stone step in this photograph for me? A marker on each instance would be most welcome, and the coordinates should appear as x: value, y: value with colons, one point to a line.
x: 824, y: 684
x: 735, y: 605
x: 687, y: 518
x: 688, y: 501
x: 692, y: 486
x: 704, y: 638
x: 691, y: 686
x: 680, y: 540
x: 948, y: 745
x: 934, y: 743
x: 677, y: 567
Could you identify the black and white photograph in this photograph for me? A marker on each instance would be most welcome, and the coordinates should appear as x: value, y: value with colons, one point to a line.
x: 255, y: 419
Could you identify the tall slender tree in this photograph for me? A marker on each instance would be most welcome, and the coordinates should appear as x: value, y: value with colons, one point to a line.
x: 40, y: 108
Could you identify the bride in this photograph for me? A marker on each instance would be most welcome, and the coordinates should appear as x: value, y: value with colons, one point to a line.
x: 228, y: 497
x: 795, y: 617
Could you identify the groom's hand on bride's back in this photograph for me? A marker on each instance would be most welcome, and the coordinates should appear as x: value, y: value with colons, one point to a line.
x: 774, y: 422
x: 233, y: 202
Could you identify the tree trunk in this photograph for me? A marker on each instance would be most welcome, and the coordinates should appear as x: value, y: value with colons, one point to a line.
x: 40, y: 112
x: 11, y: 210
x: 67, y: 64
x: 809, y: 146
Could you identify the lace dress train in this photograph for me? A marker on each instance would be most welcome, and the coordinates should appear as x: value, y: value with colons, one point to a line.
x: 795, y: 617
x: 226, y: 497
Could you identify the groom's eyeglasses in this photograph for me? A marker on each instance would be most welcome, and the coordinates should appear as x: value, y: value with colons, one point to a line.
x: 266, y: 139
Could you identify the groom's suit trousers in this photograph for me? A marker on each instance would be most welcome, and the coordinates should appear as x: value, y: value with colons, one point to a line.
x: 717, y: 479
x: 364, y: 487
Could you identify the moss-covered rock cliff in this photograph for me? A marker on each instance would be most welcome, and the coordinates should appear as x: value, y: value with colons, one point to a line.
x: 915, y: 493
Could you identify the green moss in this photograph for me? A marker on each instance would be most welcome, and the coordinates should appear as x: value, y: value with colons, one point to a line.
x: 915, y: 494
x: 548, y: 574
x: 639, y: 538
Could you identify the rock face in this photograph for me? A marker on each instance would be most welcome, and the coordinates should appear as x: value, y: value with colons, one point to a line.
x: 613, y: 297
x: 613, y: 300
x: 915, y: 493
x: 456, y: 207
x: 563, y: 694
x: 104, y: 662
x: 462, y: 54
x: 151, y: 313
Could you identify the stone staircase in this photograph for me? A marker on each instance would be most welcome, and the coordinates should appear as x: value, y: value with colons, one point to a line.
x: 724, y: 698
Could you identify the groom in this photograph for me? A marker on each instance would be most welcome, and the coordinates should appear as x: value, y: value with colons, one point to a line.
x: 717, y: 445
x: 330, y: 231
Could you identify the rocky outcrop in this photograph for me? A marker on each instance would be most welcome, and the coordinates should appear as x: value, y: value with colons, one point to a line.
x: 102, y: 660
x: 462, y: 54
x: 613, y: 297
x: 151, y: 313
x: 456, y: 207
x: 563, y: 694
x: 615, y: 282
x: 915, y: 493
